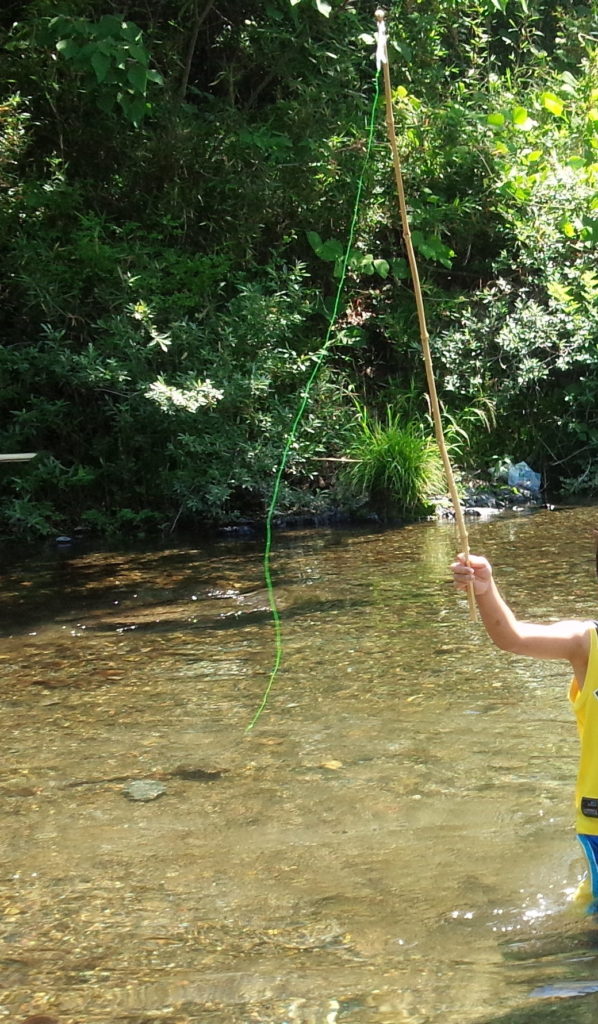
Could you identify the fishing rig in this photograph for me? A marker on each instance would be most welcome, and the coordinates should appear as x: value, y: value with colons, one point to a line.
x: 382, y: 70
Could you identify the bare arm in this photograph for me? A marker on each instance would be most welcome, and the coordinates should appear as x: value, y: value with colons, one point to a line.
x: 567, y: 640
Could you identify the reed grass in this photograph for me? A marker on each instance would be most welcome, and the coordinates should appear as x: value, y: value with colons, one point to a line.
x: 397, y: 467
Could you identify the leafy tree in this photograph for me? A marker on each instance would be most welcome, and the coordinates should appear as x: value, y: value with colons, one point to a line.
x: 176, y: 186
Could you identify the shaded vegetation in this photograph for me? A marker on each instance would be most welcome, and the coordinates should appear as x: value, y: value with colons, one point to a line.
x: 176, y: 184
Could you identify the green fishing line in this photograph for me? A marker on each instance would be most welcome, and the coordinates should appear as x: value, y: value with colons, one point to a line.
x: 278, y: 646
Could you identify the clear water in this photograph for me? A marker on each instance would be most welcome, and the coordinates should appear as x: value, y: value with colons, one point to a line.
x: 392, y: 843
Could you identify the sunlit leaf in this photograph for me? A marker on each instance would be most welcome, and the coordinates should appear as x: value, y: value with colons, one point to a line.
x: 527, y: 125
x: 569, y: 83
x: 561, y: 294
x: 330, y: 251
x: 519, y: 115
x: 552, y: 103
x: 567, y: 228
x: 382, y: 267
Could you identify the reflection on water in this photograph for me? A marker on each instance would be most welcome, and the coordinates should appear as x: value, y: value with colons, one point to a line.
x: 393, y: 842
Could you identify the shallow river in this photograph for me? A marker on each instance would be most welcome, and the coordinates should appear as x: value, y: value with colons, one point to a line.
x: 391, y: 844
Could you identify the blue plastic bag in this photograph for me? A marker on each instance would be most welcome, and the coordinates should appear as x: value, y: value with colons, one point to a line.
x: 521, y: 475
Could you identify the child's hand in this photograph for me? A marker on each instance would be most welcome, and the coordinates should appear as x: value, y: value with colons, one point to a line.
x: 479, y: 571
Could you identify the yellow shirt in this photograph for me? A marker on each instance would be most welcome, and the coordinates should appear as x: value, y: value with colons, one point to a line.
x: 585, y: 706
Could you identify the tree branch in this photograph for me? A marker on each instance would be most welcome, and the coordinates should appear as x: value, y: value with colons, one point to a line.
x: 198, y: 22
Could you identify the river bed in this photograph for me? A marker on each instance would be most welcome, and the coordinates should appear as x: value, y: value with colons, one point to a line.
x: 391, y: 844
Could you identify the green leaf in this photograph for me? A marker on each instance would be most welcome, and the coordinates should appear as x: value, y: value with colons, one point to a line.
x: 432, y: 248
x: 569, y: 83
x: 382, y: 267
x: 589, y: 231
x: 155, y: 76
x: 567, y: 228
x: 521, y: 120
x: 562, y: 295
x: 403, y: 49
x: 400, y: 268
x: 133, y: 107
x: 68, y: 48
x: 105, y: 100
x: 100, y: 64
x: 137, y: 76
x: 330, y: 250
x: 519, y: 115
x: 129, y: 30
x: 274, y: 12
x: 61, y: 23
x: 323, y: 7
x: 576, y: 162
x: 138, y: 53
x: 109, y: 25
x: 593, y: 114
x: 496, y: 119
x: 552, y: 103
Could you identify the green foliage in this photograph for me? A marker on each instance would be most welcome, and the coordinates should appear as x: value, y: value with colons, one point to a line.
x: 166, y: 279
x: 396, y: 466
x: 110, y: 58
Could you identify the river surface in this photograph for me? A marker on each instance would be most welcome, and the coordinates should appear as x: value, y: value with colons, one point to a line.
x: 391, y: 844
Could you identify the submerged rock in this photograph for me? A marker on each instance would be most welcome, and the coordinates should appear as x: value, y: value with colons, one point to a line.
x: 144, y: 790
x: 40, y: 1018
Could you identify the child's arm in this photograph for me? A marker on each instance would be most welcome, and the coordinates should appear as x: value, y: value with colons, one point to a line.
x: 568, y: 640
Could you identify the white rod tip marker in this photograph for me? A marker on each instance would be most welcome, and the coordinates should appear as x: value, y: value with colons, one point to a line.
x: 381, y: 38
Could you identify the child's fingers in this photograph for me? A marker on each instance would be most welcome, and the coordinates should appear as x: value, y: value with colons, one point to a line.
x: 476, y: 561
x: 462, y: 575
x: 472, y: 570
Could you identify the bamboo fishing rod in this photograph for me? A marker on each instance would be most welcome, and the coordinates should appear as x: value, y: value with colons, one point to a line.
x: 382, y: 60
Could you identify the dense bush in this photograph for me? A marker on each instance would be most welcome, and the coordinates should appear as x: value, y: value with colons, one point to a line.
x: 176, y: 184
